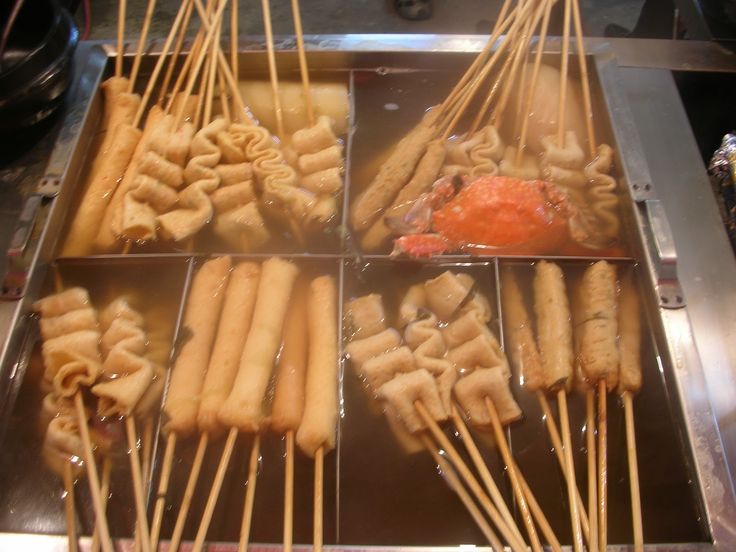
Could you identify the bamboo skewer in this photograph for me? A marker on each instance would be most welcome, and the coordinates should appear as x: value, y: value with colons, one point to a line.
x: 224, y: 102
x: 177, y: 51
x: 633, y: 472
x: 185, y: 8
x: 212, y: 74
x: 538, y: 514
x: 163, y: 486
x: 121, y: 39
x: 563, y: 77
x: 147, y: 450
x: 141, y: 44
x: 592, y: 479
x: 512, y: 472
x: 209, y: 508
x: 104, y: 495
x: 584, y: 80
x: 69, y: 515
x: 490, y: 97
x: 92, y: 476
x: 234, y: 38
x: 483, y: 471
x: 602, y: 466
x: 135, y: 468
x: 186, y: 500
x: 533, y: 83
x: 289, y: 492
x: 470, y: 480
x: 250, y: 494
x: 558, y: 447
x: 303, y: 68
x: 319, y: 470
x: 453, y: 481
x: 572, y: 488
x: 273, y: 76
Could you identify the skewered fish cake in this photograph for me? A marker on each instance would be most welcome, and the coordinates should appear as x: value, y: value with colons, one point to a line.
x: 365, y: 316
x: 405, y: 389
x: 445, y: 294
x: 629, y: 340
x: 472, y: 391
x: 383, y: 367
x: 361, y: 350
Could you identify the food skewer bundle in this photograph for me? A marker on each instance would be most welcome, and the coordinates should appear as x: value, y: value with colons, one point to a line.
x: 170, y: 180
x: 605, y: 316
x: 518, y: 180
x: 448, y: 363
x: 113, y: 366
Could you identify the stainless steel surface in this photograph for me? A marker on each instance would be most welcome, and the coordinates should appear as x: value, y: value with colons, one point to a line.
x: 697, y: 337
x: 663, y: 256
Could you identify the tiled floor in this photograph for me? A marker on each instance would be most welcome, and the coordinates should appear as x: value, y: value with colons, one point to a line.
x: 357, y: 16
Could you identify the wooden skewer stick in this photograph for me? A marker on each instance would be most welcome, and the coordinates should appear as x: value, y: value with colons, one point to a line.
x: 533, y: 83
x: 186, y: 500
x: 185, y: 7
x: 201, y: 97
x: 121, y: 38
x: 584, y: 80
x: 141, y: 44
x: 633, y: 472
x: 289, y: 492
x: 538, y: 514
x: 212, y: 74
x: 135, y: 468
x: 319, y: 474
x: 273, y: 74
x: 250, y: 494
x: 177, y: 51
x: 470, y: 480
x: 490, y: 97
x: 209, y: 508
x: 457, y: 486
x: 513, y: 476
x: 208, y: 42
x: 602, y: 466
x: 303, y: 68
x: 69, y: 515
x: 104, y: 495
x: 147, y: 450
x: 572, y: 487
x: 592, y: 479
x: 242, y: 112
x: 485, y: 474
x: 234, y: 38
x: 472, y: 72
x: 554, y: 436
x: 163, y: 487
x: 563, y: 77
x: 224, y: 103
x: 92, y: 476
x: 485, y: 71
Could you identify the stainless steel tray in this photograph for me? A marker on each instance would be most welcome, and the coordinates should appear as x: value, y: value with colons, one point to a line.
x: 672, y: 340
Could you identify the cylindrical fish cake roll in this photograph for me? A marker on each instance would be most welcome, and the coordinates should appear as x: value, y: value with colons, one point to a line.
x: 554, y: 325
x: 599, y: 355
x: 288, y: 398
x: 232, y: 331
x: 519, y: 334
x: 200, y: 323
x: 445, y: 294
x: 319, y: 423
x: 243, y: 408
x: 361, y: 350
x: 629, y: 340
x: 365, y: 316
x: 471, y: 392
x: 98, y: 194
x: 393, y: 174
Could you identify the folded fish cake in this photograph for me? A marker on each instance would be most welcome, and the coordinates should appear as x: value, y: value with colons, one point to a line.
x: 472, y: 391
x: 405, y: 390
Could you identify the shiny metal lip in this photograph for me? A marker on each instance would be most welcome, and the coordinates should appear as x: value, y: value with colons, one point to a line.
x: 703, y: 427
